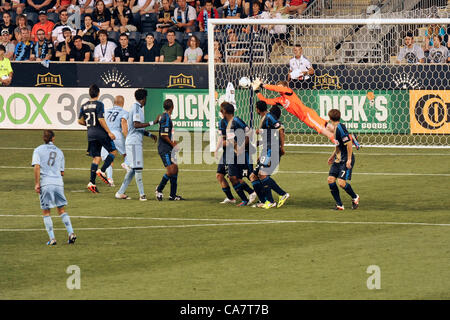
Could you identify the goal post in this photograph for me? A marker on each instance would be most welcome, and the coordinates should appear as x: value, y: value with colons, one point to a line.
x: 354, y: 69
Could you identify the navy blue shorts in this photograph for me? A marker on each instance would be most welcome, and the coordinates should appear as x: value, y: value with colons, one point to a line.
x: 95, y: 146
x: 340, y: 170
x: 222, y: 168
x: 168, y: 159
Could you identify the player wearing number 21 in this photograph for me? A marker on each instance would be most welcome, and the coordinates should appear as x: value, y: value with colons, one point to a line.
x: 99, y: 135
x: 48, y: 163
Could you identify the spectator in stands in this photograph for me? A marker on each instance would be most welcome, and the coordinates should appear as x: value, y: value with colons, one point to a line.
x: 110, y: 4
x: 185, y: 15
x: 86, y: 6
x: 43, y: 24
x: 411, y: 52
x: 249, y: 9
x: 125, y: 52
x: 8, y: 44
x: 208, y: 12
x: 438, y: 53
x: 89, y: 34
x: 172, y: 51
x: 193, y: 53
x: 297, y: 6
x: 21, y: 22
x: 300, y: 68
x: 61, y: 5
x: 7, y: 24
x: 38, y: 5
x: 165, y: 17
x: 153, y: 7
x: 80, y: 51
x: 102, y: 16
x: 430, y: 33
x: 235, y: 51
x: 13, y: 5
x: 104, y: 51
x: 63, y: 23
x: 6, y: 71
x: 150, y: 52
x: 142, y: 5
x: 233, y: 10
x: 64, y: 48
x: 42, y: 48
x: 122, y: 18
x: 23, y: 48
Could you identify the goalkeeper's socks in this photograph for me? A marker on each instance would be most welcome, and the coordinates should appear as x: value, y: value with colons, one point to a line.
x: 228, y: 193
x: 163, y: 183
x: 66, y: 220
x: 267, y: 190
x: 247, y: 188
x: 335, y: 193
x: 259, y: 190
x: 348, y: 188
x: 173, y: 185
x: 126, y: 181
x: 275, y: 187
x: 139, y: 182
x: 240, y: 192
x: 109, y: 159
x: 94, y: 168
x: 49, y: 227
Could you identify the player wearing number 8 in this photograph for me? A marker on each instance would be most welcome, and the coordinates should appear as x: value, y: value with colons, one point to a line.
x: 48, y: 163
x: 99, y: 135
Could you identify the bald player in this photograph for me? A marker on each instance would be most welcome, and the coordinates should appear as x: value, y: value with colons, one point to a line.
x: 116, y: 119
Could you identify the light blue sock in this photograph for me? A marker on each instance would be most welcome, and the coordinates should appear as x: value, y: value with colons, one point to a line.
x: 139, y: 182
x: 49, y: 226
x: 66, y: 220
x: 109, y: 172
x: 126, y: 181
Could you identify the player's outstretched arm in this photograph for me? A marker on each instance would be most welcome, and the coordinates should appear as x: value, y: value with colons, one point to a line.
x: 279, y: 89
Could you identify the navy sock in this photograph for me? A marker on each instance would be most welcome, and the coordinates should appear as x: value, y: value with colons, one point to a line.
x: 267, y: 189
x: 173, y: 185
x: 275, y: 187
x: 349, y: 190
x: 240, y: 192
x: 247, y: 188
x: 259, y: 190
x: 163, y: 183
x: 109, y: 159
x: 228, y: 193
x: 335, y: 193
x: 94, y: 168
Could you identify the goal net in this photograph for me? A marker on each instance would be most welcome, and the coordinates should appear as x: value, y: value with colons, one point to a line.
x: 388, y: 77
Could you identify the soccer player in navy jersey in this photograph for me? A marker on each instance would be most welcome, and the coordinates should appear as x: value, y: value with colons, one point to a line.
x: 342, y: 161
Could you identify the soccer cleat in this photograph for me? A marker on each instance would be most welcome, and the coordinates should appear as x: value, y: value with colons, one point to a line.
x: 102, y: 176
x: 258, y: 205
x: 282, y: 199
x: 72, y: 238
x: 354, y: 138
x: 159, y: 195
x: 252, y: 198
x: 111, y: 182
x: 122, y: 196
x: 125, y: 167
x: 176, y: 198
x: 268, y: 205
x: 242, y: 204
x: 143, y: 198
x: 338, y: 208
x: 228, y: 201
x: 51, y: 242
x: 92, y: 187
x: 355, y: 202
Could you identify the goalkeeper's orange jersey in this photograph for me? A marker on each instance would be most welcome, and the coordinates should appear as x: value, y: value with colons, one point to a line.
x: 292, y: 103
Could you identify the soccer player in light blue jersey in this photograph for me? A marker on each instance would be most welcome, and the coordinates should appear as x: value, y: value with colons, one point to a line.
x: 48, y: 162
x: 133, y: 145
x: 116, y: 119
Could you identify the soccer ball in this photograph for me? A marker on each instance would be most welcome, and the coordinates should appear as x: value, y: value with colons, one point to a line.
x: 244, y: 82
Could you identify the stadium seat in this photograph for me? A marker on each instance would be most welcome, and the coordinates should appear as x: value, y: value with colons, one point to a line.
x: 137, y: 20
x: 179, y: 37
x: 134, y: 35
x: 201, y: 36
x: 53, y: 16
x: 114, y: 36
x: 32, y: 18
x: 158, y: 37
x: 148, y: 22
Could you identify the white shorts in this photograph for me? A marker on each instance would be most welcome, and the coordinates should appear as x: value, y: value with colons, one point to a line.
x: 120, y: 147
x: 135, y: 155
x: 52, y: 196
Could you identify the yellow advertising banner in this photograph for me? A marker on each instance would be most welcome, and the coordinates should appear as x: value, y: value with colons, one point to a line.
x: 429, y: 111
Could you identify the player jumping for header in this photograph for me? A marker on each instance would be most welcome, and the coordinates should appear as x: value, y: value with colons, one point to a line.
x: 292, y: 103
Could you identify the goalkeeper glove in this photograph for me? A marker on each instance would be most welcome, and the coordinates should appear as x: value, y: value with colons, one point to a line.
x: 256, y: 85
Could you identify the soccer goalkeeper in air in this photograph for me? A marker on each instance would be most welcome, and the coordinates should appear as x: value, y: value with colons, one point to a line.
x: 292, y: 103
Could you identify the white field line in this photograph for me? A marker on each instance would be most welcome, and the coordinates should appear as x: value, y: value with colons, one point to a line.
x: 226, y: 222
x: 281, y: 171
x: 359, y: 153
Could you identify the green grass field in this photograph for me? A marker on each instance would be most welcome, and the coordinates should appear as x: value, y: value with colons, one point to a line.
x: 199, y: 249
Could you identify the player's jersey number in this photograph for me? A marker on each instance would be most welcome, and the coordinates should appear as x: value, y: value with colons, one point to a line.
x: 89, y: 116
x: 112, y: 116
x: 51, y: 158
